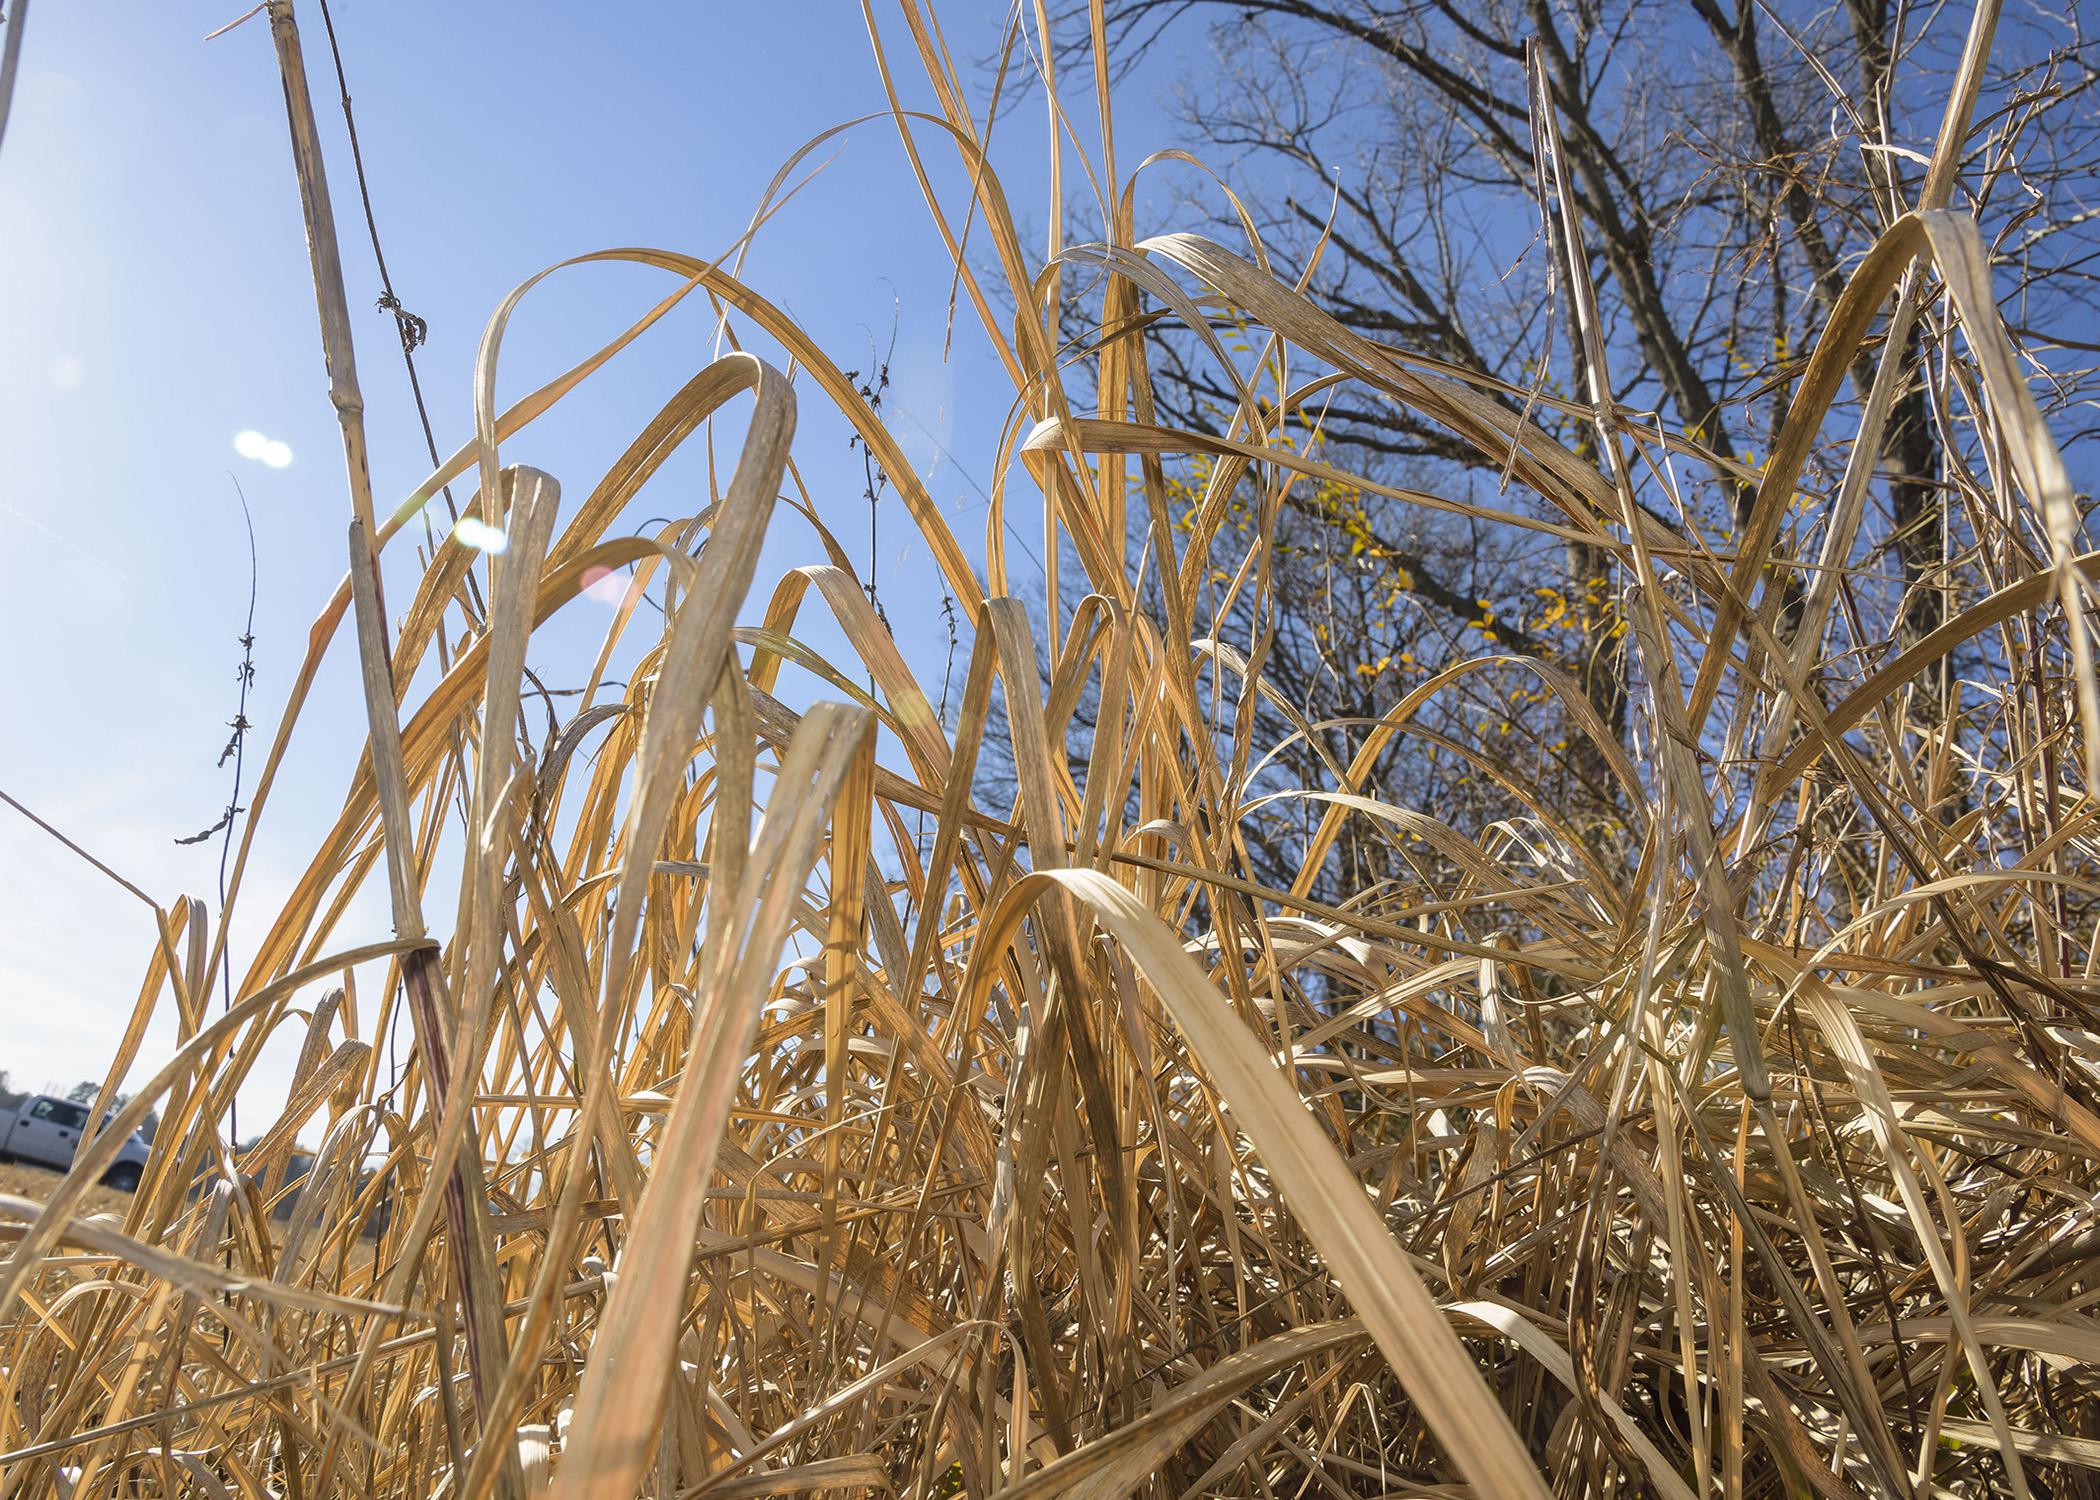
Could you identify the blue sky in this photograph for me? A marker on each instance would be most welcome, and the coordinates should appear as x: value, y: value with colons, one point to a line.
x: 158, y: 303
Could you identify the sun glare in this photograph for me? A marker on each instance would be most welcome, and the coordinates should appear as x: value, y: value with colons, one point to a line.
x: 264, y: 450
x: 479, y: 534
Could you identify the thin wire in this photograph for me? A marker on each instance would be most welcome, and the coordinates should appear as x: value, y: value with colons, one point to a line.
x: 412, y: 329
x: 237, y: 747
x: 235, y: 751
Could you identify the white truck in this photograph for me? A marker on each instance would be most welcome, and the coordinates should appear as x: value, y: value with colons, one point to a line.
x: 46, y: 1130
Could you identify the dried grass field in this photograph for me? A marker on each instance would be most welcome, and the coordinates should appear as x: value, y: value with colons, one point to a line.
x: 34, y: 1184
x: 863, y: 1100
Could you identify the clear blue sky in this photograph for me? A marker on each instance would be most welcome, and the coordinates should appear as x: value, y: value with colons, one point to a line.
x: 155, y: 302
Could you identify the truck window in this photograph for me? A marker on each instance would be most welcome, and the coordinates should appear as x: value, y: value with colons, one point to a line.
x: 59, y: 1113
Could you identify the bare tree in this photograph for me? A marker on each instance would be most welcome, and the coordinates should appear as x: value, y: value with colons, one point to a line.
x: 1731, y: 161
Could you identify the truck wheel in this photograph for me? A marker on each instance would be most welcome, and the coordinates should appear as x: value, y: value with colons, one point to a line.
x: 124, y: 1177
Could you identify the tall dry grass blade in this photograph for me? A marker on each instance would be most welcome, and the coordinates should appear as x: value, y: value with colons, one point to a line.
x: 1388, y: 1295
x: 620, y: 1405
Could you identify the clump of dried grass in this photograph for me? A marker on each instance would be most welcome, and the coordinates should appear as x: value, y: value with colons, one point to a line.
x: 1072, y: 1162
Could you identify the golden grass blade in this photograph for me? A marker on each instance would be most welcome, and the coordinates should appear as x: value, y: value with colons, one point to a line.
x: 621, y: 1402
x: 1116, y: 1465
x: 202, y: 1280
x: 1388, y: 1295
x: 1867, y: 1083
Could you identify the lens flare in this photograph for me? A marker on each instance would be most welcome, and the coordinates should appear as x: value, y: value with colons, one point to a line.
x: 606, y: 586
x: 480, y: 535
x: 269, y: 451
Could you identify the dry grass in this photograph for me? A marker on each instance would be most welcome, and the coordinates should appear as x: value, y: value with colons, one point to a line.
x: 1068, y: 1161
